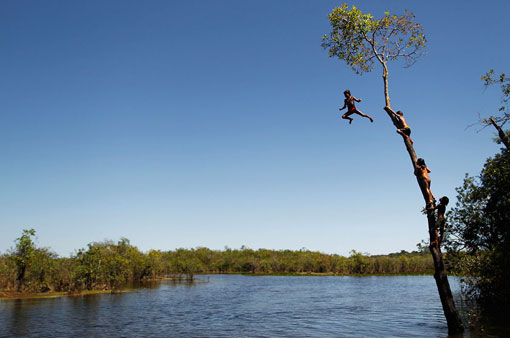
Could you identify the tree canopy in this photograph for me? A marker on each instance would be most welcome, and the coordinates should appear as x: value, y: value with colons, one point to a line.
x: 479, y: 234
x: 359, y: 39
x: 491, y: 78
x: 499, y: 120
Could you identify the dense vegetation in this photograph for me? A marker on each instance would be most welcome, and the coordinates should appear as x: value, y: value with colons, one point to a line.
x: 479, y: 238
x: 108, y: 265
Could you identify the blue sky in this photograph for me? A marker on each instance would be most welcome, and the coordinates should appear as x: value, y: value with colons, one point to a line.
x: 216, y: 123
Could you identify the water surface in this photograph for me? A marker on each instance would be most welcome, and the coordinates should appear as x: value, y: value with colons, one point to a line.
x: 241, y: 306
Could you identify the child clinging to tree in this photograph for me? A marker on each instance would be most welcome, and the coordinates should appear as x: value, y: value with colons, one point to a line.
x: 403, y: 128
x: 441, y: 220
x: 422, y: 171
x: 351, y: 108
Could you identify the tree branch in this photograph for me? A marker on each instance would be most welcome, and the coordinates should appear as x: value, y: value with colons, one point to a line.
x: 404, y: 55
x: 392, y: 31
x: 372, y: 44
x: 501, y: 133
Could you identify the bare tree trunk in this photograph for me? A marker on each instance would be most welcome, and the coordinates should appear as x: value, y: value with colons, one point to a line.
x: 385, y: 79
x: 443, y: 286
x: 501, y: 134
x: 21, y: 277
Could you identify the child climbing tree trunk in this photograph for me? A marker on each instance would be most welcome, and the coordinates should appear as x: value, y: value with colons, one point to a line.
x: 361, y: 40
x: 443, y: 286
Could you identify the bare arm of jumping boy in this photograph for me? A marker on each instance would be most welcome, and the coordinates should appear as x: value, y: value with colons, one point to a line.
x: 345, y: 105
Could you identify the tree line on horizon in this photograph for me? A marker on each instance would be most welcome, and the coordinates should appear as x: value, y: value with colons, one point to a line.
x: 108, y: 265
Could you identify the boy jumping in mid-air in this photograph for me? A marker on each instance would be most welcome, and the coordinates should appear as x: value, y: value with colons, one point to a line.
x: 351, y: 108
x: 441, y: 220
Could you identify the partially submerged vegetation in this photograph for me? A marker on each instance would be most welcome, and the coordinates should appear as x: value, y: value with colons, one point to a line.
x: 106, y: 266
x: 103, y: 266
x: 478, y: 240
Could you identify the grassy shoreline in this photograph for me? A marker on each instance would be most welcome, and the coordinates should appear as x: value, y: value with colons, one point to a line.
x: 326, y: 274
x: 13, y: 295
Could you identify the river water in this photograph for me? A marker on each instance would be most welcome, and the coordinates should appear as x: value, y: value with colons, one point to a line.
x: 241, y: 306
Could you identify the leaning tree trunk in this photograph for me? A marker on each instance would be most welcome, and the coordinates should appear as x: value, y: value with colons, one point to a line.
x: 443, y: 287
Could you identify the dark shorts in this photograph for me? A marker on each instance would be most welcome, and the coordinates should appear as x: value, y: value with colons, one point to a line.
x: 406, y: 131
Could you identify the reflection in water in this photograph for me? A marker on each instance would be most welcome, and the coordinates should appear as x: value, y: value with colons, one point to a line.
x: 19, y: 318
x: 234, y: 306
x: 154, y: 284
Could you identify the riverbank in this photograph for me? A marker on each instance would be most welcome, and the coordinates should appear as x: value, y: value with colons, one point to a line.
x: 326, y: 274
x: 107, y: 263
x: 12, y: 295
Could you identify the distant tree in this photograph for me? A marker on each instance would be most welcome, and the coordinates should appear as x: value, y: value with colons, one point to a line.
x: 361, y: 41
x: 42, y: 269
x: 62, y: 276
x: 154, y: 265
x: 185, y: 262
x: 359, y: 263
x: 88, y: 269
x: 23, y: 255
x: 8, y: 272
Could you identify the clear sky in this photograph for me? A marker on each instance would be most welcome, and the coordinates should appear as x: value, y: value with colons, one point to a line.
x: 216, y: 123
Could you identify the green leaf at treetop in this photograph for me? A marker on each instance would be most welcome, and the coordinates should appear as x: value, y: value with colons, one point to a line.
x: 359, y: 39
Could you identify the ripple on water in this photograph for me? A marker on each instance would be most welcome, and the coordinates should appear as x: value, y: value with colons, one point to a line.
x: 241, y: 306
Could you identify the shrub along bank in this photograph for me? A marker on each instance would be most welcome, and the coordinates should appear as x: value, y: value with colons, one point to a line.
x: 107, y: 265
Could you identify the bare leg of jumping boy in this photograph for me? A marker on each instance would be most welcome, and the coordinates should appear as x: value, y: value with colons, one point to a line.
x: 346, y: 116
x: 364, y: 115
